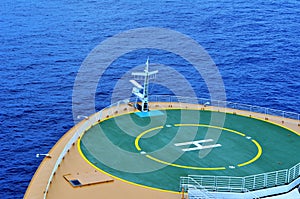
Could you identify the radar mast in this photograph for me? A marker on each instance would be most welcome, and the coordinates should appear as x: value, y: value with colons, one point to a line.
x: 142, y: 92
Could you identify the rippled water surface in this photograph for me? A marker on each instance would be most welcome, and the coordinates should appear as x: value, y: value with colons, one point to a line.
x: 256, y: 46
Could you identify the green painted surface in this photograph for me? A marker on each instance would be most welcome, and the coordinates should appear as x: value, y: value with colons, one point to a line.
x: 111, y: 147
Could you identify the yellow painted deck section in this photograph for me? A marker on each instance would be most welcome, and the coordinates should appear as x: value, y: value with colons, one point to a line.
x: 100, y: 185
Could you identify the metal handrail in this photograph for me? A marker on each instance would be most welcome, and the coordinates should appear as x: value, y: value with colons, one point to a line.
x: 228, y: 104
x: 288, y: 173
x: 205, y: 190
x: 90, y: 121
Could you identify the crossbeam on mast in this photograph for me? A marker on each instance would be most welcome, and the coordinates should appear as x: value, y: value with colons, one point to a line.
x: 143, y: 96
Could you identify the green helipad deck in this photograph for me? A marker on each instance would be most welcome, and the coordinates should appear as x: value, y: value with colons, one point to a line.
x: 155, y: 151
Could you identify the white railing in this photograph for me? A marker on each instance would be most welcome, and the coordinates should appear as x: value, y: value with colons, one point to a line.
x: 226, y: 104
x: 195, y: 190
x: 294, y: 173
x: 190, y: 184
x: 240, y: 184
x: 122, y: 106
x: 80, y: 129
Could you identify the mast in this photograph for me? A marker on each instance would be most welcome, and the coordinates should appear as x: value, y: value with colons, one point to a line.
x: 145, y: 107
x: 143, y: 97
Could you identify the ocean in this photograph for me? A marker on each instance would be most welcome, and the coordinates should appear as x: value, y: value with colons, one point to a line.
x: 254, y: 44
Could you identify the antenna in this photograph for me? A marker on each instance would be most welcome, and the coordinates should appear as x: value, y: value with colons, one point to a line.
x: 143, y: 96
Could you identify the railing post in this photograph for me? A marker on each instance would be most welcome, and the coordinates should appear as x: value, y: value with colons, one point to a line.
x: 109, y: 110
x: 100, y: 115
x: 215, y: 179
x: 265, y: 180
x: 288, y: 176
x: 294, y: 173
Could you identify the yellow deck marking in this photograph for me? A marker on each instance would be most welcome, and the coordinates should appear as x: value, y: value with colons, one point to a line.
x: 256, y: 157
x: 259, y: 148
x: 136, y: 142
x: 267, y: 121
x: 118, y: 178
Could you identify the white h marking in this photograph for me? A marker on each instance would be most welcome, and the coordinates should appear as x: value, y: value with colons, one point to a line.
x: 198, y: 145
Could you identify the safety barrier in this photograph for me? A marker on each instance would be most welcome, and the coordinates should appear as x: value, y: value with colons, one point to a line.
x: 81, y: 128
x: 226, y: 105
x: 241, y: 184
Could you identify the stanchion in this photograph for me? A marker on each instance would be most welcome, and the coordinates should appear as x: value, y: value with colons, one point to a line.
x: 182, y: 191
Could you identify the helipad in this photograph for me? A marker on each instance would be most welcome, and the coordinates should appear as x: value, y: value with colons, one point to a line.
x: 155, y: 151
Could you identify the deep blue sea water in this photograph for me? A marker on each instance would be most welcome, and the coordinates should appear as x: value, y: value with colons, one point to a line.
x: 255, y: 45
